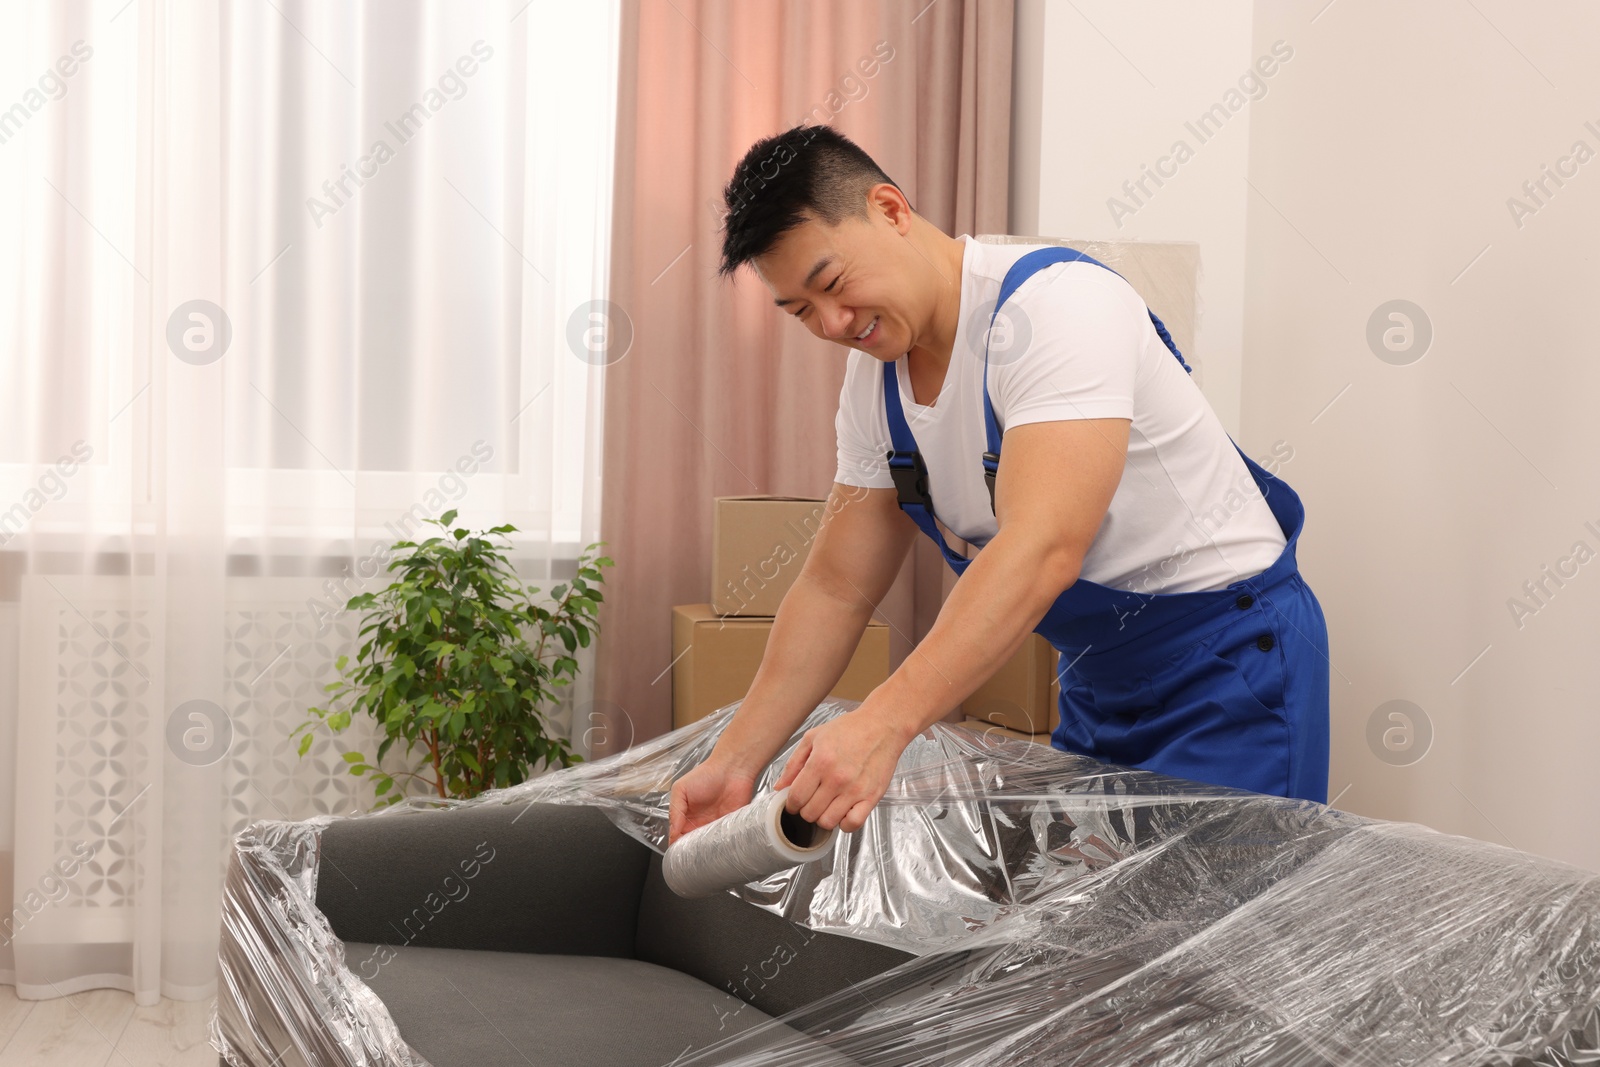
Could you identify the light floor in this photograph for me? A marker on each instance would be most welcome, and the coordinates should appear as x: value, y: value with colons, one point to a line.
x: 103, y: 1028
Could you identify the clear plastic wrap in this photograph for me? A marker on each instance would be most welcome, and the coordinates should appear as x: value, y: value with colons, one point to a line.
x: 743, y: 846
x: 1061, y: 911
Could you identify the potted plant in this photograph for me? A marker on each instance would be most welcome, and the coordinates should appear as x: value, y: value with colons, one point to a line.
x: 459, y: 660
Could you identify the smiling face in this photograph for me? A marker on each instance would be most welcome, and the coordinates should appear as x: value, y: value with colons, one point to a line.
x: 859, y: 283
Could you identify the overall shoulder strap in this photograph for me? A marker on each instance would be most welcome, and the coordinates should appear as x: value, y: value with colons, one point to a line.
x: 1024, y: 268
x: 908, y: 470
x: 899, y: 430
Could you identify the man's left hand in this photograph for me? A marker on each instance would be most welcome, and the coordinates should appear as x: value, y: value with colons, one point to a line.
x: 842, y: 768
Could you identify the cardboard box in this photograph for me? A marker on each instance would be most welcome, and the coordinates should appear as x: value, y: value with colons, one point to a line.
x: 715, y: 660
x: 1022, y: 693
x: 978, y: 726
x: 758, y: 545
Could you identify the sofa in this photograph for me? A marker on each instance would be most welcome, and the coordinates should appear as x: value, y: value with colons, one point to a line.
x: 447, y: 917
x: 1004, y: 903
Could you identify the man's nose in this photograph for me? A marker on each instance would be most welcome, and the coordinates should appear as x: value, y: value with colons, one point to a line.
x: 835, y: 323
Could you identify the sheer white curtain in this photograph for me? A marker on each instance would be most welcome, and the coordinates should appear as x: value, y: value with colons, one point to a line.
x: 277, y: 281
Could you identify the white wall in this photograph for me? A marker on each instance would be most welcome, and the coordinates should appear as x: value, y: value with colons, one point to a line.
x: 1116, y: 84
x: 1378, y: 167
x: 1437, y: 488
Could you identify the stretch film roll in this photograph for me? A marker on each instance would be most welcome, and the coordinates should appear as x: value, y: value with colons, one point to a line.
x: 748, y: 845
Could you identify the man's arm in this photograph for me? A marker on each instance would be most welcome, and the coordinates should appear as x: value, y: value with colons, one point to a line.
x: 1055, y: 483
x: 854, y: 559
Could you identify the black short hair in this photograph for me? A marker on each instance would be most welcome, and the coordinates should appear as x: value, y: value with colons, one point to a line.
x: 806, y: 171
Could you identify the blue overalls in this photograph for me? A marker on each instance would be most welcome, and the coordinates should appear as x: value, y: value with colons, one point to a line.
x: 1227, y: 686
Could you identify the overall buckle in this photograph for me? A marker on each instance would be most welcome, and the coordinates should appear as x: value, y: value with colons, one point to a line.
x: 991, y: 467
x: 910, y: 476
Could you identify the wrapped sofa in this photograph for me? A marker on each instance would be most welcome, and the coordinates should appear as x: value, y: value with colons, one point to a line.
x: 1005, y: 903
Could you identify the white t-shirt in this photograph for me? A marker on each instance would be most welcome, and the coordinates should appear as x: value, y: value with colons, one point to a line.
x: 1186, y: 516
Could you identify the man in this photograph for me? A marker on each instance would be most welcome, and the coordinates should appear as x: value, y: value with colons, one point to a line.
x: 1121, y: 523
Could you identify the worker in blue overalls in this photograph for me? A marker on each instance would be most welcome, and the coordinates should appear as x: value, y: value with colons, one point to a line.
x: 1071, y: 474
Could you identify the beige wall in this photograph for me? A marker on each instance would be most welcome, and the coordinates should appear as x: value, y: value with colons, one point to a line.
x: 1438, y: 487
x: 1378, y: 167
x: 1103, y: 91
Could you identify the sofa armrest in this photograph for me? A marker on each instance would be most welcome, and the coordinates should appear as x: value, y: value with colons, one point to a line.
x: 761, y: 958
x: 552, y: 878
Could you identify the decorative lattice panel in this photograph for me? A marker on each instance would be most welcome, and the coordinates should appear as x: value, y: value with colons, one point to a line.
x: 103, y: 746
x: 92, y: 704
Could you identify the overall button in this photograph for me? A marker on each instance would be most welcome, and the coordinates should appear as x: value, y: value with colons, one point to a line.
x: 1245, y: 600
x: 1264, y: 642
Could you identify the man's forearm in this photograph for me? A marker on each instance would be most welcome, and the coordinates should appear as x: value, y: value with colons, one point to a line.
x: 813, y: 637
x: 1000, y: 598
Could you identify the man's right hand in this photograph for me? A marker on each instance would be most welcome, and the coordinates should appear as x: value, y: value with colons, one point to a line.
x: 859, y: 547
x: 704, y: 795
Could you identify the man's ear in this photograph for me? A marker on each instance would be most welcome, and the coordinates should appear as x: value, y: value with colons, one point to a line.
x: 891, y: 204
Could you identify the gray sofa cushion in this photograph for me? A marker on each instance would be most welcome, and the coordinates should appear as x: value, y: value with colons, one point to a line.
x: 725, y: 942
x: 497, y: 932
x: 463, y: 1008
x: 528, y: 878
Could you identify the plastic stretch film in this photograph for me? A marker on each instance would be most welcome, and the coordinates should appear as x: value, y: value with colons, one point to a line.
x: 747, y: 845
x: 1060, y: 912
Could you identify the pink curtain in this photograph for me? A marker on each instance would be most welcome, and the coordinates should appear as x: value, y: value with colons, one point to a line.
x: 718, y: 394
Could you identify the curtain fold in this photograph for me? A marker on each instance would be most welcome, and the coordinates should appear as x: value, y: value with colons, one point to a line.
x: 278, y: 283
x: 719, y: 395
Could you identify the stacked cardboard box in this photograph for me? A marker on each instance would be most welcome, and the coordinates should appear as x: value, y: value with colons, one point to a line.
x: 758, y: 545
x: 978, y: 726
x: 1019, y: 699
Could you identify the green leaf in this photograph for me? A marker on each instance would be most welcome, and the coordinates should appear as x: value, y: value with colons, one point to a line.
x: 478, y: 699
